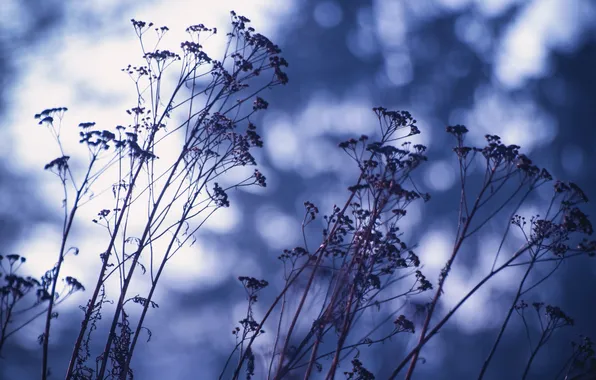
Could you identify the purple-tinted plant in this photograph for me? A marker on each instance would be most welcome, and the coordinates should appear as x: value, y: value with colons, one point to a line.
x: 166, y: 166
x: 23, y: 299
x: 155, y: 182
x: 362, y: 265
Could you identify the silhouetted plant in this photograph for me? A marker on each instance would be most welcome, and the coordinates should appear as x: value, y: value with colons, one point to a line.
x: 215, y: 135
x: 18, y: 306
x: 360, y: 265
x: 361, y: 257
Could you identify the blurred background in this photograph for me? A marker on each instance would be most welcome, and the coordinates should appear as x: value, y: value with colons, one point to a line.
x: 522, y: 69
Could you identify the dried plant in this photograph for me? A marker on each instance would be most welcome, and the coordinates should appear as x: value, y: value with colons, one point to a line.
x: 359, y: 267
x: 361, y: 257
x: 207, y: 116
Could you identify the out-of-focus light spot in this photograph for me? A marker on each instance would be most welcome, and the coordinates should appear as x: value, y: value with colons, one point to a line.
x: 391, y: 22
x: 440, y: 176
x: 572, y: 159
x: 301, y: 143
x: 42, y: 248
x: 278, y: 230
x: 522, y: 56
x: 321, y: 156
x: 434, y: 250
x: 316, y: 118
x: 202, y: 264
x: 474, y: 32
x: 354, y: 118
x: 398, y: 68
x: 541, y: 25
x: 282, y: 145
x: 13, y: 17
x: 225, y: 220
x: 328, y: 14
x: 517, y: 121
x: 423, y: 10
x: 476, y: 313
x: 494, y: 8
x: 363, y: 41
x: 454, y: 5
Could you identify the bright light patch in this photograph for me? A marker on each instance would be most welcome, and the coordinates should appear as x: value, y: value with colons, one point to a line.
x: 362, y: 43
x: 12, y: 16
x: 325, y: 114
x: 494, y: 8
x: 542, y: 25
x: 435, y: 247
x: 391, y: 22
x: 282, y: 145
x: 454, y: 5
x: 317, y: 117
x: 474, y: 31
x: 328, y: 14
x: 321, y: 156
x: 477, y: 312
x: 226, y: 219
x: 440, y: 176
x: 202, y: 264
x: 520, y: 120
x: 278, y: 230
x: 354, y: 117
x: 398, y: 68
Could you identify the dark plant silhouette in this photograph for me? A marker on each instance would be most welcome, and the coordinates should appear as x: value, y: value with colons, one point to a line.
x: 176, y: 192
x: 361, y: 255
x: 168, y: 165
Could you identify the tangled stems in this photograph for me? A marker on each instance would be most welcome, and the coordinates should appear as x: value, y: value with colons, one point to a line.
x: 358, y: 260
x: 212, y: 145
x: 56, y: 272
x: 367, y: 254
x: 547, y: 235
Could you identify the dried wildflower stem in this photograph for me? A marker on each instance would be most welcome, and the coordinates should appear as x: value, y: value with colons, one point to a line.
x: 320, y: 254
x: 507, y: 318
x: 542, y: 229
x: 446, y: 318
x: 65, y: 174
x: 91, y: 305
x: 346, y: 292
x: 463, y: 231
x: 217, y: 130
x: 56, y: 272
x: 443, y: 278
x: 333, y: 303
x: 168, y: 253
x: 137, y: 255
x: 520, y: 290
x: 105, y: 260
x: 357, y: 259
x: 100, y: 279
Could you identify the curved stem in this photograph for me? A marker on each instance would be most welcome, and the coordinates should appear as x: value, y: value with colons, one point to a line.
x: 439, y: 325
x: 56, y: 272
x: 506, y: 322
